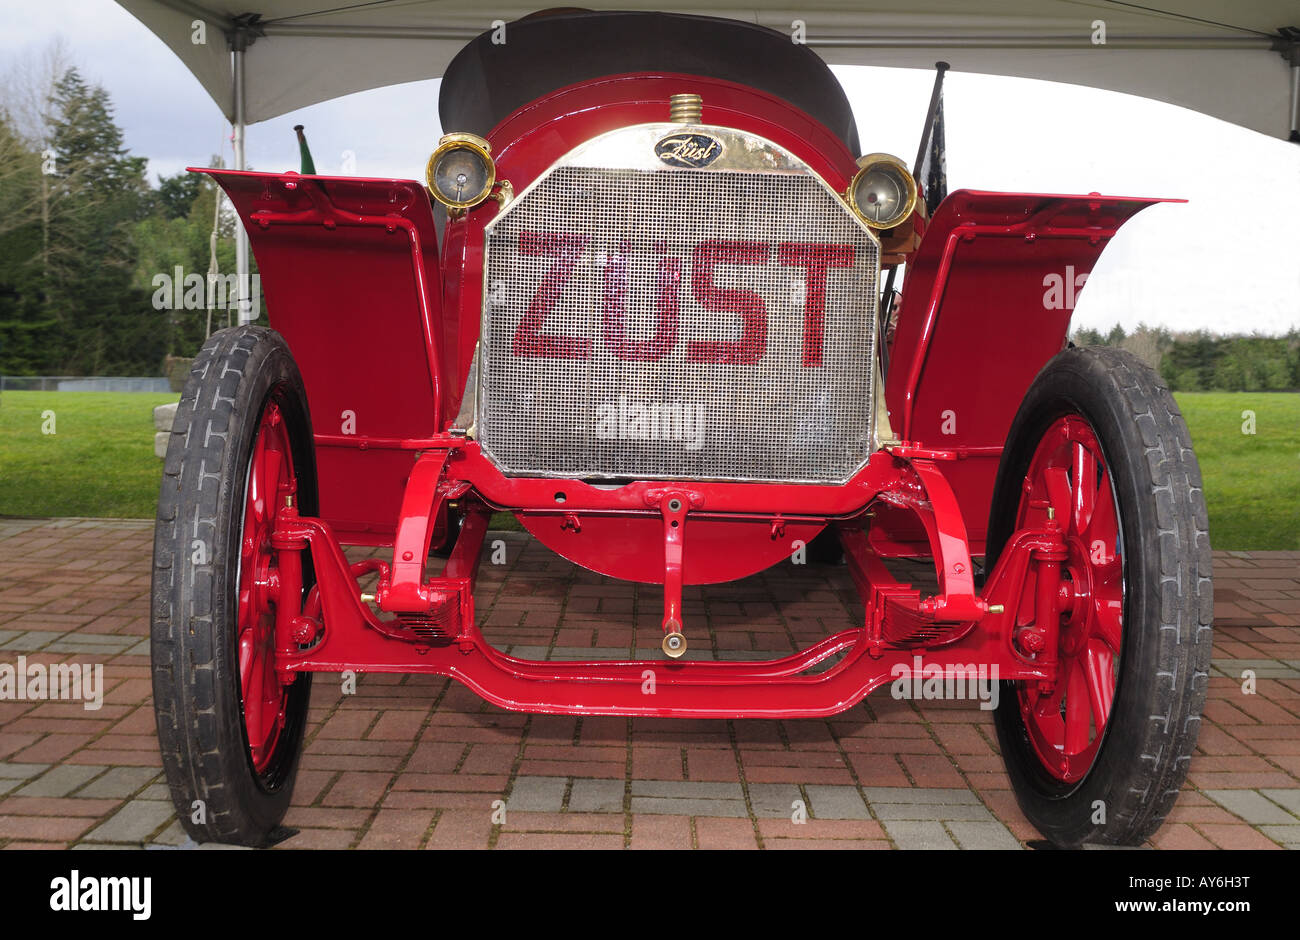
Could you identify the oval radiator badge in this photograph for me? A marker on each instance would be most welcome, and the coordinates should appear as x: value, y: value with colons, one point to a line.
x: 693, y: 150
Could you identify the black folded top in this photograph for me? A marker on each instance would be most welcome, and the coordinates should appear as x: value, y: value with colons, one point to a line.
x: 487, y: 81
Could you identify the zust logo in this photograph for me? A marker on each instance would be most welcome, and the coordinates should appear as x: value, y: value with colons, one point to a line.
x: 103, y: 893
x: 693, y: 150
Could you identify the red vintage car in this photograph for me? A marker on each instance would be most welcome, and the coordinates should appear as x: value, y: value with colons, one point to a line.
x: 639, y: 304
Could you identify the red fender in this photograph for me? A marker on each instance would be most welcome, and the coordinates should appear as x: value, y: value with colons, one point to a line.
x: 349, y: 269
x: 986, y: 304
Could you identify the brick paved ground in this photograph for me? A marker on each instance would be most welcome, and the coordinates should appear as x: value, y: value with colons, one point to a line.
x: 418, y: 762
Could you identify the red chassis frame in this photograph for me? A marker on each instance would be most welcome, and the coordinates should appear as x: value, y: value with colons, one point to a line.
x: 326, y: 243
x: 434, y: 630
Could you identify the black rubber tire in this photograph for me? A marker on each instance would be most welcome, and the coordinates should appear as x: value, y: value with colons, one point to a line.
x: 1164, y: 662
x: 196, y: 688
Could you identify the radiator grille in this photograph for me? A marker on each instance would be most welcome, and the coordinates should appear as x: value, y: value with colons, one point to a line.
x: 650, y: 287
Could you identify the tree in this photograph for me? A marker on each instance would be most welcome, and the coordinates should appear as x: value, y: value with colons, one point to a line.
x: 1088, y: 337
x: 20, y: 177
x: 22, y: 317
x: 176, y: 194
x: 1190, y: 363
x: 166, y: 242
x: 82, y: 235
x: 1230, y: 372
x: 98, y: 191
x: 1148, y: 343
x: 25, y: 320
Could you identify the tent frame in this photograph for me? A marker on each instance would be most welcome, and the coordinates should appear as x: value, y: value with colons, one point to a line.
x: 243, y: 30
x: 242, y: 34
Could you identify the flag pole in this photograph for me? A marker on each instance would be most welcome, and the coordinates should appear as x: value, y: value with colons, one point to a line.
x: 927, y: 131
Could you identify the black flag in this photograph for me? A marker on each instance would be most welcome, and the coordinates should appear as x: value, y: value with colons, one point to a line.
x: 934, y: 167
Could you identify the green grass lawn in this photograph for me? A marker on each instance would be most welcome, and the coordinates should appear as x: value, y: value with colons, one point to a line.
x: 1252, y: 481
x: 100, y: 462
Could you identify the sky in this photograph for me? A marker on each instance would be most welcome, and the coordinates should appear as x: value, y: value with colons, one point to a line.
x: 1228, y: 260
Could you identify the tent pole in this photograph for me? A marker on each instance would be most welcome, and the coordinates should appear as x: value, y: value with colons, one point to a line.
x: 1295, y: 103
x: 246, y: 313
x: 1288, y: 44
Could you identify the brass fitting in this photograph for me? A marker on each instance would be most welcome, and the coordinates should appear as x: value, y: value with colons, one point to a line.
x: 674, y: 644
x: 685, y: 109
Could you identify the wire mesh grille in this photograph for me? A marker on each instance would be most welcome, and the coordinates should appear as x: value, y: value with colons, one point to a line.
x: 678, y: 325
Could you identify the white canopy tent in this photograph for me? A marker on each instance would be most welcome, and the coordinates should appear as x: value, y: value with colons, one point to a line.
x: 1240, y: 62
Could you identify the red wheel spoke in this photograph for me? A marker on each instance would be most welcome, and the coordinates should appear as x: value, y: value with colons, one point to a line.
x: 1107, y: 622
x: 1085, y: 488
x: 252, y: 532
x: 1058, y: 492
x: 256, y: 506
x: 1099, y: 669
x: 1103, y: 523
x: 272, y: 461
x: 246, y: 653
x: 1047, y: 712
x: 247, y: 550
x: 1077, y: 710
x: 254, y: 703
